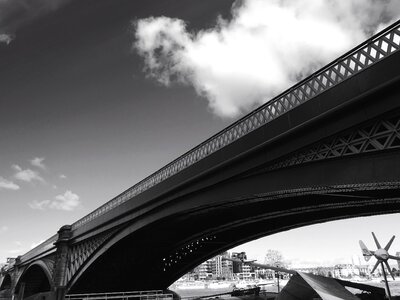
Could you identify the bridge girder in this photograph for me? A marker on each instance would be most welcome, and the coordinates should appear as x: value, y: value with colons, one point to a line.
x: 331, y: 161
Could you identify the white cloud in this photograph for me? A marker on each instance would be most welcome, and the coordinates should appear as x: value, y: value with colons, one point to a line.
x: 38, y: 162
x: 62, y: 176
x: 27, y: 175
x: 265, y: 47
x: 15, y: 251
x: 6, y: 38
x: 67, y: 201
x: 39, y: 204
x: 8, y: 185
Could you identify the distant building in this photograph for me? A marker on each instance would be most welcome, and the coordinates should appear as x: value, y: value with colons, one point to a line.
x: 214, y: 268
x: 206, y: 270
x: 246, y: 273
x: 223, y: 268
x: 264, y: 273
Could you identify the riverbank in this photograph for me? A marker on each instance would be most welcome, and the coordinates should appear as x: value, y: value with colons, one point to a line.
x: 203, y: 289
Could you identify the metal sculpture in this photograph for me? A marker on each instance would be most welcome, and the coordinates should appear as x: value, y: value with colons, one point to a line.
x: 382, y: 255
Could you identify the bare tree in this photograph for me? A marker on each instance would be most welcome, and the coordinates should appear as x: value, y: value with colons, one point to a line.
x: 275, y: 258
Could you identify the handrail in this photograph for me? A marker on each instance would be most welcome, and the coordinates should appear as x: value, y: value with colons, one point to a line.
x: 152, y: 294
x: 142, y: 296
x: 114, y: 293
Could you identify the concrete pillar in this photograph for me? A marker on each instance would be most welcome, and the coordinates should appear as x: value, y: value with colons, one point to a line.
x: 62, y: 244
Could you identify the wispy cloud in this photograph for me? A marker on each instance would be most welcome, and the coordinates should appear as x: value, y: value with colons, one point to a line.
x: 8, y: 185
x: 15, y: 251
x: 264, y: 48
x: 41, y: 205
x: 62, y: 176
x: 67, y: 201
x: 27, y: 175
x: 15, y: 13
x: 6, y: 38
x: 38, y: 162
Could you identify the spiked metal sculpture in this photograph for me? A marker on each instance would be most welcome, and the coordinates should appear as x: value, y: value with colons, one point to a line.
x: 382, y: 255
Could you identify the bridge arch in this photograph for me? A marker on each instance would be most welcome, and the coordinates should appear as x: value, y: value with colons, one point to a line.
x: 122, y: 256
x: 6, y: 282
x: 36, y: 279
x: 319, y: 182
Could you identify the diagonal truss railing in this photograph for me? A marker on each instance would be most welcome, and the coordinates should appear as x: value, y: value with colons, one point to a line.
x: 354, y: 61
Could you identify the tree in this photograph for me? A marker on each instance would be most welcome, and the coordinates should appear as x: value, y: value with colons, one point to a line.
x: 275, y: 258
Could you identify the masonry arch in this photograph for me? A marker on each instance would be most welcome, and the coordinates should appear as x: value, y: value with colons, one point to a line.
x: 6, y: 283
x: 35, y: 279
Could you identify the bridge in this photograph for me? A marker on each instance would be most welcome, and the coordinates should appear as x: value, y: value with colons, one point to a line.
x: 328, y: 148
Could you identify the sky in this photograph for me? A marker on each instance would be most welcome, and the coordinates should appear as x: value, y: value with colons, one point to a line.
x: 97, y: 94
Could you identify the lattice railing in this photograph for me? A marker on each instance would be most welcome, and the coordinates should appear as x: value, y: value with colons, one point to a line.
x: 371, y: 51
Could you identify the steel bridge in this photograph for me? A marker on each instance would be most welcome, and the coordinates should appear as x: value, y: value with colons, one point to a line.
x: 327, y: 148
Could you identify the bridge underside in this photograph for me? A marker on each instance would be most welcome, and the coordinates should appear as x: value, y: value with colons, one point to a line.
x: 353, y: 172
x: 158, y: 254
x: 141, y: 262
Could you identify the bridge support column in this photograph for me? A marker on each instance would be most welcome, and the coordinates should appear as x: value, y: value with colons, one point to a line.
x: 15, y: 275
x: 62, y: 243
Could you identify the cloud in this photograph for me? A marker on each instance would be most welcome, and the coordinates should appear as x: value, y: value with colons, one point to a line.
x: 38, y: 162
x: 62, y: 176
x: 264, y: 48
x: 40, y: 205
x: 15, y: 13
x: 67, y: 201
x: 8, y: 185
x: 6, y: 38
x: 15, y: 251
x: 26, y: 175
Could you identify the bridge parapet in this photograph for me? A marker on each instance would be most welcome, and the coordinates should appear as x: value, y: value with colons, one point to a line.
x: 373, y: 50
x: 45, y: 247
